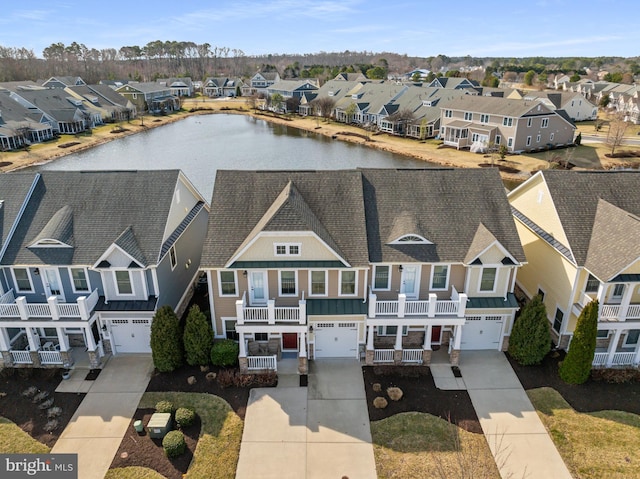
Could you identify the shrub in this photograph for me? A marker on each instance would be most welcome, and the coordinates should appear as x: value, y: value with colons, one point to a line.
x: 204, y: 369
x: 380, y: 403
x: 54, y: 412
x: 41, y: 396
x: 166, y: 340
x: 46, y: 404
x: 191, y: 380
x: 395, y: 394
x: 211, y: 376
x: 530, y: 340
x: 198, y: 337
x: 617, y: 376
x: 173, y: 444
x: 185, y: 417
x: 576, y: 367
x: 164, y: 406
x: 225, y: 353
x: 377, y: 387
x: 30, y: 392
x: 51, y: 425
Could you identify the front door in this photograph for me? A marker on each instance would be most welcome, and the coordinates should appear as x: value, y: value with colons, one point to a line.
x: 289, y: 341
x: 436, y: 332
x: 409, y: 281
x: 52, y: 284
x: 258, y: 287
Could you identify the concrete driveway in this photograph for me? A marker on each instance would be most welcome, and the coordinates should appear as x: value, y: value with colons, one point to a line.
x: 317, y: 432
x: 518, y: 440
x: 96, y: 429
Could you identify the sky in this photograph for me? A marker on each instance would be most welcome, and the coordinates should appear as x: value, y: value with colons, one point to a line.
x: 551, y: 28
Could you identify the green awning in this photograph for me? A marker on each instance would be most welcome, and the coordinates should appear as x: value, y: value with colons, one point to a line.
x: 493, y: 302
x: 336, y: 307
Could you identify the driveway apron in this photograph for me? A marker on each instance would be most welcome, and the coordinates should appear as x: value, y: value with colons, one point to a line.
x: 317, y: 432
x: 517, y: 438
x: 98, y: 425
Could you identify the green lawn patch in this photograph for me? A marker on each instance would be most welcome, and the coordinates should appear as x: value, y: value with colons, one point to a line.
x: 14, y: 440
x: 592, y: 445
x: 416, y: 444
x: 133, y: 472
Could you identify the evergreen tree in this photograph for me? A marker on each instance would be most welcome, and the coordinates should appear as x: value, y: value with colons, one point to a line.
x: 166, y: 340
x: 530, y: 340
x: 198, y: 337
x: 576, y: 367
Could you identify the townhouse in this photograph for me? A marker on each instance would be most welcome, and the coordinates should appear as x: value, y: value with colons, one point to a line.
x: 19, y: 126
x: 577, y: 107
x: 382, y: 265
x: 86, y: 258
x: 581, y: 235
x: 478, y: 121
x: 222, y: 86
x: 150, y: 96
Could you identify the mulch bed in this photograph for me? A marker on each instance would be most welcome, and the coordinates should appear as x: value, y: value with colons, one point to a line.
x: 25, y: 413
x: 588, y: 397
x: 502, y: 168
x: 138, y: 449
x: 68, y: 145
x: 420, y: 395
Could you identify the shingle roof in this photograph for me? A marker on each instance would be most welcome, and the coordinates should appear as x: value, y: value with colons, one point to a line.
x: 104, y: 204
x: 576, y: 196
x: 498, y: 106
x: 13, y: 191
x: 59, y: 227
x: 328, y: 203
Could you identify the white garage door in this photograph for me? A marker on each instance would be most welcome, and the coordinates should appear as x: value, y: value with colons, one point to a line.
x: 482, y: 332
x: 131, y: 335
x: 336, y: 340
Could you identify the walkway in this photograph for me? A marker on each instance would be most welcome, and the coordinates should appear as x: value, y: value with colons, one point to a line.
x: 96, y: 429
x: 517, y: 438
x: 316, y: 432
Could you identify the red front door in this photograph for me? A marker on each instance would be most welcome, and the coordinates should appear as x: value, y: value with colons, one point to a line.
x: 290, y: 341
x: 435, y: 334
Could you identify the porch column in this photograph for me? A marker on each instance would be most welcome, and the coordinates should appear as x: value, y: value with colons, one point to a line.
x: 239, y: 311
x: 53, y: 307
x: 457, y: 331
x: 5, y: 342
x: 602, y: 294
x: 402, y: 300
x: 397, y: 353
x: 636, y: 358
x: 372, y: 305
x: 243, y: 346
x: 613, y: 345
x: 462, y: 305
x: 302, y: 355
x: 369, y: 355
x: 32, y: 339
x: 21, y: 302
x: 433, y: 299
x: 63, y: 340
x: 302, y: 309
x: 91, y: 343
x: 271, y: 311
x: 427, y: 338
x: 626, y: 300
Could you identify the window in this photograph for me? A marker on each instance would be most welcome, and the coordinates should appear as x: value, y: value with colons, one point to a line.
x: 468, y: 116
x: 507, y: 121
x: 484, y: 118
x: 381, y: 277
x: 592, y: 285
x: 510, y: 142
x: 79, y: 280
x: 261, y: 336
x: 439, y: 278
x: 528, y: 141
x: 538, y: 139
x: 632, y: 337
x: 347, y: 282
x: 541, y: 294
x: 545, y: 123
x: 288, y: 286
x: 488, y: 279
x: 557, y: 320
x: 618, y: 290
x: 227, y: 283
x: 230, y: 330
x: 391, y: 330
x: 22, y: 280
x: 172, y: 256
x: 318, y: 283
x: 602, y: 334
x: 123, y: 282
x: 498, y: 139
x: 551, y: 137
x: 287, y: 249
x: 529, y: 122
x: 447, y: 113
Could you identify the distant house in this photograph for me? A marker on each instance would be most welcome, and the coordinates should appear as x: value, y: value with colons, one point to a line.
x: 453, y: 83
x: 116, y: 106
x: 422, y: 72
x: 261, y: 81
x: 179, y: 86
x: 578, y: 108
x: 19, y: 126
x: 222, y: 87
x: 150, y: 96
x: 63, y: 82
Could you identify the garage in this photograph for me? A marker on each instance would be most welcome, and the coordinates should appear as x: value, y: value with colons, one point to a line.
x: 131, y: 335
x: 482, y: 332
x: 336, y: 340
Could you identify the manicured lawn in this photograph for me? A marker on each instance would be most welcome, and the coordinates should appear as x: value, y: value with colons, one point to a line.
x: 593, y: 445
x: 421, y: 445
x: 132, y: 473
x: 14, y: 440
x: 218, y: 448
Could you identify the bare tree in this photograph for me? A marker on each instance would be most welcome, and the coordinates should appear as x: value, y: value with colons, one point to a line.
x: 615, y: 136
x: 325, y: 106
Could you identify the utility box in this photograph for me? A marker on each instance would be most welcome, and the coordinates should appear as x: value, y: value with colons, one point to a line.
x: 159, y: 425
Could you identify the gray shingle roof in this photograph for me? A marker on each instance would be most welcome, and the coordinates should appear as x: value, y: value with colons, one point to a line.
x: 129, y: 244
x: 59, y: 227
x: 13, y: 191
x: 103, y: 204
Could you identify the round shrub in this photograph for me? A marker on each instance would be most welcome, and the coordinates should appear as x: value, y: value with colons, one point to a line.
x: 185, y: 416
x: 164, y: 406
x: 173, y: 444
x: 395, y: 394
x: 380, y: 403
x: 377, y: 387
x: 225, y: 353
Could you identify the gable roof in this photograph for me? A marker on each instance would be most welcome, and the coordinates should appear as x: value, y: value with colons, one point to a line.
x: 98, y: 207
x: 328, y: 203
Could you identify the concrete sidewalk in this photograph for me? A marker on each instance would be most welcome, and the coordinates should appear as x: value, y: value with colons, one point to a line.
x: 317, y: 432
x: 98, y: 425
x: 518, y: 440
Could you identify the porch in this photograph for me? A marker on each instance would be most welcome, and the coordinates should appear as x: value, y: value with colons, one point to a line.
x: 270, y: 313
x: 619, y: 348
x: 18, y: 308
x: 456, y: 134
x: 429, y: 308
x: 262, y: 346
x: 618, y: 301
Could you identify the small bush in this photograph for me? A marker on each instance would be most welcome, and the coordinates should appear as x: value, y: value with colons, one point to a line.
x: 377, y: 387
x: 269, y: 379
x: 204, y: 369
x: 191, y: 380
x: 51, y: 425
x: 46, y: 404
x: 380, y: 403
x: 164, y: 406
x: 185, y: 417
x: 41, y: 396
x: 54, y: 412
x: 211, y: 376
x: 225, y: 353
x: 395, y: 394
x: 174, y: 444
x: 616, y: 376
x: 30, y: 392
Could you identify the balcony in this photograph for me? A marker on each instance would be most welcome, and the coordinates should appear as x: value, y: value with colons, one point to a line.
x: 430, y: 308
x: 270, y: 314
x: 12, y: 308
x: 617, y: 359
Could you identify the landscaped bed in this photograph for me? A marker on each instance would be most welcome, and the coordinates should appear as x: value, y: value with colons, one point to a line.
x: 25, y: 413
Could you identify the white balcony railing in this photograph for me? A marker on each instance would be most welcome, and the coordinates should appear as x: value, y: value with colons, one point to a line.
x: 383, y: 355
x: 262, y: 363
x: 21, y: 357
x: 270, y: 313
x: 618, y: 312
x: 599, y: 359
x: 430, y: 308
x: 412, y: 356
x: 50, y: 357
x: 618, y: 359
x: 609, y: 311
x: 634, y: 311
x: 20, y: 308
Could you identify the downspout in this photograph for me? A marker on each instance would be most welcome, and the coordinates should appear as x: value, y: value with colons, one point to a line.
x: 366, y: 284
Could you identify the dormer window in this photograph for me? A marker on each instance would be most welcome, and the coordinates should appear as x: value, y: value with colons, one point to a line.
x: 411, y: 239
x: 287, y: 249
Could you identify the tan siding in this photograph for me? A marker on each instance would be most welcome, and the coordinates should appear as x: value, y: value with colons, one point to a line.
x: 457, y: 277
x: 311, y: 249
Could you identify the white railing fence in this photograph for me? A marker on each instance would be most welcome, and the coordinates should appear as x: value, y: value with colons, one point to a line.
x: 50, y: 357
x: 599, y: 359
x: 622, y: 359
x: 412, y: 356
x: 383, y: 355
x: 21, y: 357
x: 261, y: 363
x: 634, y: 311
x: 7, y: 297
